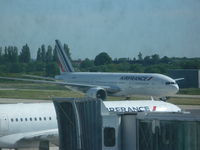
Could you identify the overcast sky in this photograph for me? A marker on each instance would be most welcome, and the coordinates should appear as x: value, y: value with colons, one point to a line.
x: 122, y: 28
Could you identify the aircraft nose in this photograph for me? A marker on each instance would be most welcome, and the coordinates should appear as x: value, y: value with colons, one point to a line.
x: 176, y: 88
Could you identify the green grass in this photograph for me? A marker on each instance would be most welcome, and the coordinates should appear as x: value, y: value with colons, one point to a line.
x: 25, y: 85
x: 184, y: 101
x: 37, y: 91
x: 190, y: 91
x: 38, y: 94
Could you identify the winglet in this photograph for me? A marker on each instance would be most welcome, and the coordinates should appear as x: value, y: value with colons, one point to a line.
x: 64, y: 61
x: 179, y: 79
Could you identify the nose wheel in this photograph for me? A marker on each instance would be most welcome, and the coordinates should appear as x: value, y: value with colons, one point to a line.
x: 127, y: 98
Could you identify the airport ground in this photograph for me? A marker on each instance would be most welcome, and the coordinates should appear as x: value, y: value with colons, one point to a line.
x: 37, y: 93
x: 24, y: 90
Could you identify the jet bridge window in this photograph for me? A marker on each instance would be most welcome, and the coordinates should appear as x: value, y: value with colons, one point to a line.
x: 109, y: 137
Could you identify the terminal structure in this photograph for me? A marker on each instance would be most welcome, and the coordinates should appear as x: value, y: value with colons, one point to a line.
x: 86, y: 124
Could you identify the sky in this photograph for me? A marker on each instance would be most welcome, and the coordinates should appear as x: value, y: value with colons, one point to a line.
x: 121, y: 28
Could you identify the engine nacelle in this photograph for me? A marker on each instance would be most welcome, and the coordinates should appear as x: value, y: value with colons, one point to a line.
x: 97, y: 92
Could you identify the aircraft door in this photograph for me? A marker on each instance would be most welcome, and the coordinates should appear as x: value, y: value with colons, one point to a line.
x: 3, y: 124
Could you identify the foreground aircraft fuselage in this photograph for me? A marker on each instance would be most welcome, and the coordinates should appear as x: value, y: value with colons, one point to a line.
x: 25, y: 125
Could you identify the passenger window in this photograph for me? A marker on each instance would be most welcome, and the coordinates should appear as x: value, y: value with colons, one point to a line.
x: 40, y: 118
x: 49, y: 118
x: 30, y: 119
x: 16, y: 119
x: 109, y: 137
x: 35, y: 119
x: 12, y: 120
x: 26, y: 119
x: 21, y: 119
x: 44, y: 118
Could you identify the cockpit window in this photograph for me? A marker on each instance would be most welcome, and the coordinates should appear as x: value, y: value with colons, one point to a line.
x: 168, y: 83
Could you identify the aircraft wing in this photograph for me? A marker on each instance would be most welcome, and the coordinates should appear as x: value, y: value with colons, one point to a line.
x: 39, y: 77
x: 34, y: 80
x: 111, y: 89
x: 44, y: 135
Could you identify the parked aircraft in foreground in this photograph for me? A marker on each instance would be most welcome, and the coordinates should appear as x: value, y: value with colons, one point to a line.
x: 26, y: 125
x: 99, y: 84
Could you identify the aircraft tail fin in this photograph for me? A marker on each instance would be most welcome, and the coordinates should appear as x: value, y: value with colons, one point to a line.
x: 63, y: 60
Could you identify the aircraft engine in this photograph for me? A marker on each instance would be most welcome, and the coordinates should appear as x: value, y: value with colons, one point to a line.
x: 97, y: 92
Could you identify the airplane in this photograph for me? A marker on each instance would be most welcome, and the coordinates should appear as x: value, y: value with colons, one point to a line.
x: 26, y: 125
x: 101, y: 84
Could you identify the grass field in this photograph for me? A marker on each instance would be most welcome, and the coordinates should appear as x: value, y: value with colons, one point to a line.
x: 47, y: 91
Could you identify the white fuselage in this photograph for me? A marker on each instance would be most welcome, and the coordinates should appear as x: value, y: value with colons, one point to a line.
x: 147, y: 84
x: 18, y: 120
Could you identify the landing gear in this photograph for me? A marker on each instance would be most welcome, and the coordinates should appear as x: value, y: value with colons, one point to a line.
x: 44, y: 145
x: 164, y: 99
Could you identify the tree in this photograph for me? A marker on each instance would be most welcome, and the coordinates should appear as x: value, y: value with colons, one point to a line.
x: 25, y: 55
x: 137, y: 68
x: 43, y: 53
x: 39, y: 55
x: 155, y: 58
x: 147, y: 60
x: 140, y: 58
x: 86, y: 64
x: 49, y: 55
x: 67, y: 50
x: 52, y: 69
x: 12, y: 54
x: 16, y: 68
x: 102, y: 59
x: 55, y: 55
x: 6, y: 59
x: 1, y: 55
x: 165, y: 59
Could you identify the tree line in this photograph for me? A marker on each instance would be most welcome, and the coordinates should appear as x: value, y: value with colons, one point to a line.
x: 147, y: 64
x: 14, y: 61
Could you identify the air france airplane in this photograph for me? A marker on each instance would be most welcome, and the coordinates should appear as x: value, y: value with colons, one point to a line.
x: 99, y: 84
x: 26, y: 125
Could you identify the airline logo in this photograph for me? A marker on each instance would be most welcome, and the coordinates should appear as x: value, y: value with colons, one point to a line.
x: 136, y: 78
x: 65, y: 64
x: 61, y: 67
x: 154, y: 108
x: 129, y: 109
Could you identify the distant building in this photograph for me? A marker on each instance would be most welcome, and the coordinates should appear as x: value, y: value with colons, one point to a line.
x: 191, y: 77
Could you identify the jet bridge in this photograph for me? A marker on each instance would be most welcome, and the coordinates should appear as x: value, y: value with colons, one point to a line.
x: 86, y: 124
